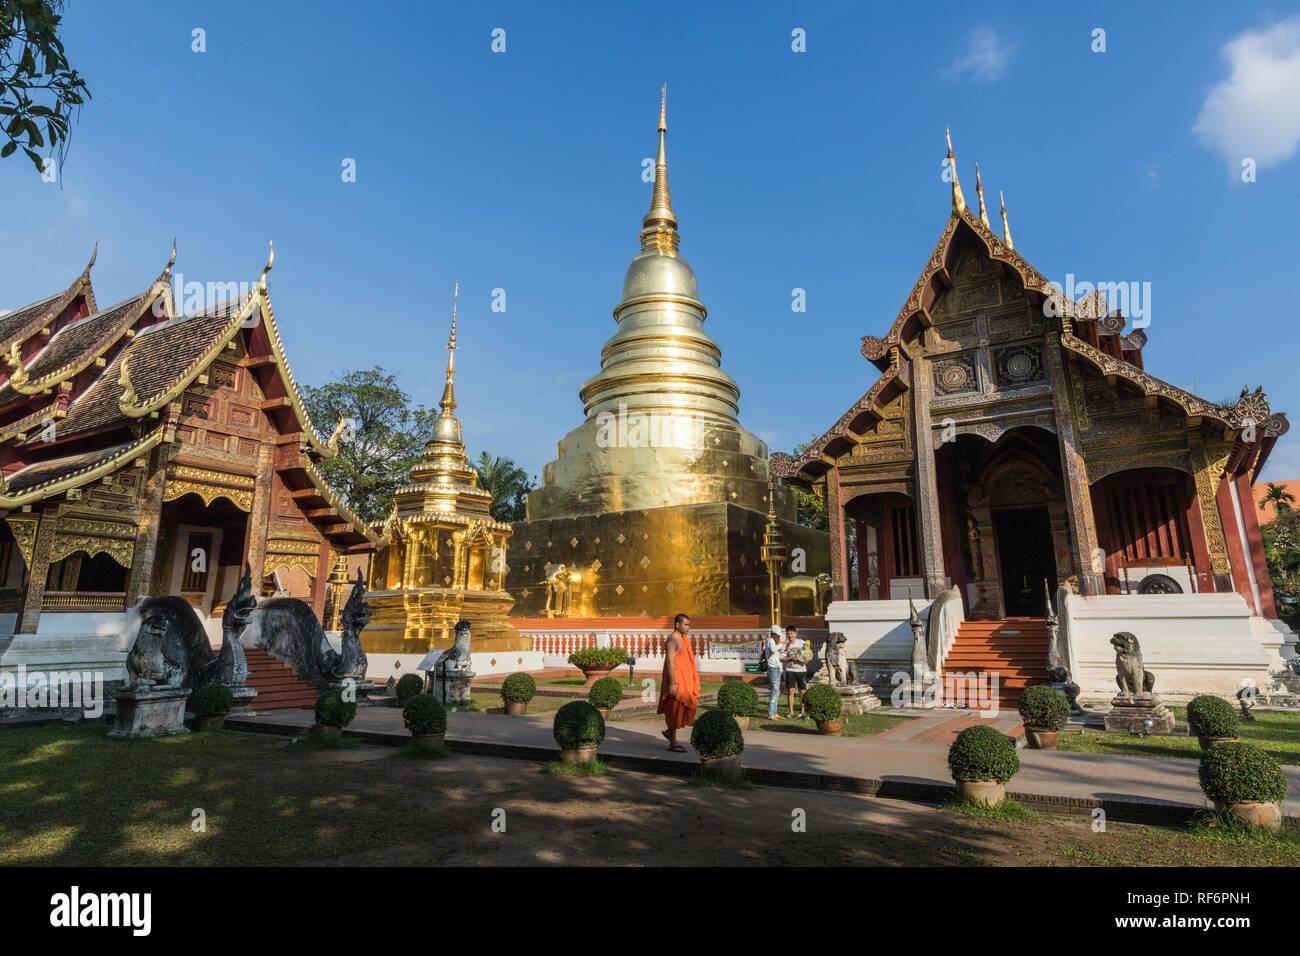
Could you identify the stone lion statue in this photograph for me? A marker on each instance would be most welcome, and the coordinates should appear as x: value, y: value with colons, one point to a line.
x: 835, y: 660
x: 1131, y: 675
x: 457, y: 657
x: 171, y: 649
x: 822, y: 588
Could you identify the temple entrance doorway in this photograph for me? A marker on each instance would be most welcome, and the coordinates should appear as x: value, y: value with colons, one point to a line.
x: 1027, y: 558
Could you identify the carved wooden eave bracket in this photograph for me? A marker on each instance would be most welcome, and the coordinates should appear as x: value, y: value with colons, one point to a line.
x: 22, y: 428
x: 335, y: 502
x: 76, y: 479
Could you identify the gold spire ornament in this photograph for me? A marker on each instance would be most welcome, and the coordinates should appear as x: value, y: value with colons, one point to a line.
x: 773, y: 552
x: 979, y: 191
x: 448, y: 403
x: 1006, y: 230
x: 958, y: 200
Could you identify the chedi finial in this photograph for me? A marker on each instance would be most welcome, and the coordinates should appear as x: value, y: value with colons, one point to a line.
x: 958, y: 200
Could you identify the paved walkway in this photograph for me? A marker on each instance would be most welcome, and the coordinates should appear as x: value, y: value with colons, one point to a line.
x: 1150, y: 789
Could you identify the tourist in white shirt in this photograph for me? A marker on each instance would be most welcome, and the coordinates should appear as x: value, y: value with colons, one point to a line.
x: 796, y: 672
x: 775, y: 650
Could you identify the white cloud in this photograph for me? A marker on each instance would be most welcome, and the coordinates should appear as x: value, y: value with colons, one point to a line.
x: 986, y: 56
x: 1255, y: 111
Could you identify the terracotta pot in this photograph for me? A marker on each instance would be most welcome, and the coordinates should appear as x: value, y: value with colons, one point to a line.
x: 1042, y: 739
x: 578, y: 754
x: 721, y: 768
x: 596, y: 673
x: 1208, y: 742
x: 430, y: 741
x: 210, y: 722
x: 831, y: 728
x: 1266, y: 815
x: 516, y: 708
x: 743, y: 722
x: 982, y: 791
x: 326, y: 732
x: 604, y: 712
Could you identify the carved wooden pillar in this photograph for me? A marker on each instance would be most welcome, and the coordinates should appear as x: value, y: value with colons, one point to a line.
x: 1074, y: 471
x: 839, y: 540
x: 927, y: 484
x: 1209, y: 469
x: 320, y: 584
x: 39, y: 571
x: 259, y: 516
x: 146, y: 540
x: 1255, y: 547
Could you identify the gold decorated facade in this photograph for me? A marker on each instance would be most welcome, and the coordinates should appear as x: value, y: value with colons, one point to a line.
x: 446, y: 554
x: 657, y: 501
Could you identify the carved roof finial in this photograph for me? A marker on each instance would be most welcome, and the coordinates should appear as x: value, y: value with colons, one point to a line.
x: 1006, y: 230
x: 979, y: 191
x: 128, y: 396
x: 958, y: 200
x: 270, y: 261
x: 167, y: 272
x: 94, y: 254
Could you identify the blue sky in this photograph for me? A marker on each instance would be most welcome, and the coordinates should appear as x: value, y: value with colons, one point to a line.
x: 817, y: 170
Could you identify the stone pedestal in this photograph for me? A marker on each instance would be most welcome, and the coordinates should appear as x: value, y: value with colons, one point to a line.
x: 857, y: 698
x: 150, y: 712
x: 457, y: 687
x: 243, y: 705
x: 361, y: 687
x: 1129, y: 714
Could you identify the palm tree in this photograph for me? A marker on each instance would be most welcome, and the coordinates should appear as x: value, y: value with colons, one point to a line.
x: 507, y: 483
x: 1278, y: 496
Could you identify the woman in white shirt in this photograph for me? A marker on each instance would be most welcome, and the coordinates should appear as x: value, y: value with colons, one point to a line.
x: 775, y: 648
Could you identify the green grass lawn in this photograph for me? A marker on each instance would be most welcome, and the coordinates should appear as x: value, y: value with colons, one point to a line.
x: 1276, y: 732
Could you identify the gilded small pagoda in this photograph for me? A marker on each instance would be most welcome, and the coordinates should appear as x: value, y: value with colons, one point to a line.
x: 446, y: 554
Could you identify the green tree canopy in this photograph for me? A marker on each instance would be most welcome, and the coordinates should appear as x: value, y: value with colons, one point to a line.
x: 811, y: 509
x: 382, y: 439
x: 38, y: 87
x: 508, y: 484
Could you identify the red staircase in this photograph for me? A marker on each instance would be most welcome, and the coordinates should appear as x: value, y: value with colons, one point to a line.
x: 277, y: 686
x: 1016, y: 650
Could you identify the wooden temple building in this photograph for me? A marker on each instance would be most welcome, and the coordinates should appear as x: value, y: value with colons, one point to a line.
x: 1014, y: 437
x: 145, y: 452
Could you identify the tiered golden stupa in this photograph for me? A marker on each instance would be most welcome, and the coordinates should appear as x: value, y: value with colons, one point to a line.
x: 446, y: 555
x: 657, y: 502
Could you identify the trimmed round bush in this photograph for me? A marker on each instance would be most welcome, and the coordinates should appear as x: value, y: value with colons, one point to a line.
x: 606, y: 692
x: 981, y: 754
x: 408, y: 687
x: 1211, y: 716
x: 424, y: 714
x: 212, y: 700
x: 518, y: 688
x: 715, y: 733
x: 589, y: 658
x: 823, y: 702
x: 333, y: 711
x: 1044, y: 708
x: 1241, y: 773
x: 738, y: 698
x: 578, y: 724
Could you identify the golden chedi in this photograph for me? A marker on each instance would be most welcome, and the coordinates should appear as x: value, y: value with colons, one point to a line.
x: 446, y: 554
x: 658, y: 501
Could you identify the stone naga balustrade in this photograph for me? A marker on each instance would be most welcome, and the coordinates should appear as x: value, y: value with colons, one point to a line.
x: 946, y: 617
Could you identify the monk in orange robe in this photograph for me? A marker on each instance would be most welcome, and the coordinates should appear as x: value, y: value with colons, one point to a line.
x: 680, y: 695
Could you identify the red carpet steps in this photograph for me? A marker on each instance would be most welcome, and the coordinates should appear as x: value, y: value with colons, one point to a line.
x: 1016, y: 650
x: 278, y: 688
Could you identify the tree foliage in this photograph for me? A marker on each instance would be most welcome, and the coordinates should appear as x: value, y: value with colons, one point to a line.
x: 382, y: 440
x: 507, y: 483
x: 811, y: 509
x: 1282, y: 551
x: 38, y: 87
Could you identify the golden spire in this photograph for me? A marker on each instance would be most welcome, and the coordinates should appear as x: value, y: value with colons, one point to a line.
x: 958, y: 200
x: 448, y: 403
x: 659, y: 226
x: 979, y: 191
x: 270, y: 261
x: 1006, y: 230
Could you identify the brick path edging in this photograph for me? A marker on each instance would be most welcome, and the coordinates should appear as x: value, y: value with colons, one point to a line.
x: 1128, y: 810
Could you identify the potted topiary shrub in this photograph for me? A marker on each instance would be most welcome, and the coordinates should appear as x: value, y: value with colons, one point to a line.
x: 426, y: 719
x: 597, y: 662
x: 210, y: 704
x: 333, y: 713
x: 1212, y: 719
x: 981, y: 761
x: 1045, y: 711
x: 823, y: 703
x: 605, y: 695
x: 516, y: 691
x: 1245, y: 781
x: 739, y: 699
x: 408, y: 687
x: 716, y: 737
x: 578, y: 729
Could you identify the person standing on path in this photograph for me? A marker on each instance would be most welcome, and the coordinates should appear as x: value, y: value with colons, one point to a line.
x: 774, y: 649
x: 680, y: 694
x: 795, y: 657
